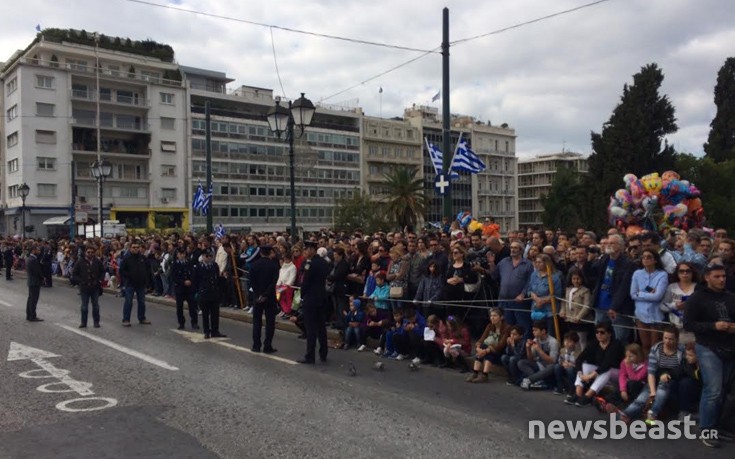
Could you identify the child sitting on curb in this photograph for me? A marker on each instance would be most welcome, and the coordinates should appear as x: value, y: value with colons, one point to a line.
x: 354, y: 318
x: 565, y: 370
x: 515, y: 349
x: 457, y: 345
x: 489, y: 348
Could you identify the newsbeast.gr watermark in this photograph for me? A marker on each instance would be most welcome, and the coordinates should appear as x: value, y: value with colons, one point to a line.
x: 615, y: 429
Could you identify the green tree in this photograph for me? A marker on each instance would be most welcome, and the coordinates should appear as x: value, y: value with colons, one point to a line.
x: 714, y: 180
x: 562, y: 204
x: 630, y: 141
x: 720, y: 144
x: 358, y: 211
x: 405, y: 200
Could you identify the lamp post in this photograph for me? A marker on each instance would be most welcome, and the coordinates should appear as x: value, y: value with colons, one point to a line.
x: 281, y: 119
x: 100, y: 170
x: 23, y: 190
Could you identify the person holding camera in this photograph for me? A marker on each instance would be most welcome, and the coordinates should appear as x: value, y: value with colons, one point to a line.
x: 263, y: 279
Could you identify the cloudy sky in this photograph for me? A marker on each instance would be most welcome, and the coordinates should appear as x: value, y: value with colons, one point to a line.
x: 554, y: 81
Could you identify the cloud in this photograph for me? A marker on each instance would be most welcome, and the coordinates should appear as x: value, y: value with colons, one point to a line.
x: 553, y: 81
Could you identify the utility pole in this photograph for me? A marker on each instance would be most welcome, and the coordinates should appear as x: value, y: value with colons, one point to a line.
x: 208, y: 142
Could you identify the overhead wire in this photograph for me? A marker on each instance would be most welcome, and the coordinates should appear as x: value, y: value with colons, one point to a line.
x: 275, y: 62
x: 288, y: 29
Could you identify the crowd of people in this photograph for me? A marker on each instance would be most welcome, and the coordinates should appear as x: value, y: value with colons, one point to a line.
x: 642, y: 325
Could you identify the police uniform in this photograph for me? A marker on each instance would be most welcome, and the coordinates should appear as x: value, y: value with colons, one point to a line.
x: 314, y: 305
x: 263, y: 278
x: 34, y: 280
x: 208, y: 291
x: 182, y: 271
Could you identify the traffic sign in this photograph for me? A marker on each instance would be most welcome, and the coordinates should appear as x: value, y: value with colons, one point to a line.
x: 80, y: 217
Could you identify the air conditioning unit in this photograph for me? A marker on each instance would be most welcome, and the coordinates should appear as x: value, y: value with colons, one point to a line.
x: 82, y: 199
x: 164, y: 200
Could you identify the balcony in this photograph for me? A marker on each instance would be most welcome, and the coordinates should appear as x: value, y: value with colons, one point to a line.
x: 110, y: 99
x: 115, y: 123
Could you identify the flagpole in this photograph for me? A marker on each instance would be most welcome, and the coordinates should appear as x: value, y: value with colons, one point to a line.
x: 446, y: 131
x: 459, y: 141
x: 208, y: 142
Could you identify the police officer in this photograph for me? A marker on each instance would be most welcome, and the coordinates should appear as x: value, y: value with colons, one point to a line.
x: 8, y: 258
x: 314, y: 299
x: 182, y: 275
x: 263, y: 279
x: 208, y: 290
x: 88, y: 272
x: 35, y: 278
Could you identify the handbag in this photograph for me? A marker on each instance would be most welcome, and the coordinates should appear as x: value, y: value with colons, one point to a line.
x: 472, y: 288
x: 396, y: 292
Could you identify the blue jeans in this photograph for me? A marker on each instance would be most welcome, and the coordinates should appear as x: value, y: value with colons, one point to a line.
x: 139, y: 292
x: 518, y: 314
x: 565, y: 378
x: 94, y: 295
x: 352, y: 333
x: 511, y: 366
x: 663, y: 390
x: 623, y: 326
x: 715, y: 373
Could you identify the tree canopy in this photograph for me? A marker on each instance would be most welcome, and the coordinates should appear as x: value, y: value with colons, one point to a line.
x: 720, y: 145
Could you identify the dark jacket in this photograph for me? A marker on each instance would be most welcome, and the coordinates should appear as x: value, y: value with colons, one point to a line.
x: 181, y: 271
x: 702, y: 310
x: 33, y: 268
x: 263, y: 278
x: 88, y: 275
x: 134, y: 271
x: 620, y: 288
x: 430, y: 288
x: 338, y: 276
x: 607, y: 358
x: 206, y: 282
x: 315, y: 274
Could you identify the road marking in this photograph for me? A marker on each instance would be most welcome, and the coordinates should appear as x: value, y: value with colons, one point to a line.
x: 19, y: 351
x: 199, y: 338
x: 121, y: 348
x: 7, y: 305
x: 64, y: 406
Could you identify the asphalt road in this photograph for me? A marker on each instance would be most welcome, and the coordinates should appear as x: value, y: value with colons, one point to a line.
x: 150, y: 391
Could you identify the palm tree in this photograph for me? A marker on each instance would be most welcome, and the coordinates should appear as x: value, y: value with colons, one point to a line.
x: 405, y: 199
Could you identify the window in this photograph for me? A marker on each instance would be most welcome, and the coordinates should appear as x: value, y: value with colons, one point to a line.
x: 11, y: 85
x: 12, y: 139
x: 13, y: 165
x: 13, y: 191
x: 114, y: 70
x: 153, y: 77
x: 507, y: 145
x: 168, y: 123
x: 44, y: 109
x: 46, y: 164
x: 47, y: 190
x: 168, y: 170
x: 168, y: 146
x: 76, y: 64
x: 129, y: 192
x: 168, y: 193
x: 12, y: 112
x: 167, y: 98
x: 44, y: 81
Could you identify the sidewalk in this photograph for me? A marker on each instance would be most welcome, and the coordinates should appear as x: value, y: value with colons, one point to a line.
x: 228, y: 313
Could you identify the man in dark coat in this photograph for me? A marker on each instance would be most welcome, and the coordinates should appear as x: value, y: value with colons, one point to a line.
x: 87, y: 273
x: 207, y: 286
x: 134, y: 275
x: 182, y: 274
x: 35, y: 279
x: 8, y: 258
x: 263, y: 279
x: 314, y: 299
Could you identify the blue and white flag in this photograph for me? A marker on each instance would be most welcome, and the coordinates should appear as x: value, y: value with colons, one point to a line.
x: 437, y: 159
x: 207, y: 205
x: 437, y: 96
x: 219, y: 232
x: 38, y: 27
x: 198, y: 201
x: 465, y: 160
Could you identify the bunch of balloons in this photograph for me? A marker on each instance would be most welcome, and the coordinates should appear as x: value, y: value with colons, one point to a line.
x: 655, y: 202
x: 469, y: 223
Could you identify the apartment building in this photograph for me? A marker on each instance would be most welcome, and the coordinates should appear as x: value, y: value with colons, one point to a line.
x: 54, y: 93
x: 535, y: 177
x: 250, y: 165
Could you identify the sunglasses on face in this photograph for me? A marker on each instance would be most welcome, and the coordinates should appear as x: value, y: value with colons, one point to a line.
x: 600, y: 332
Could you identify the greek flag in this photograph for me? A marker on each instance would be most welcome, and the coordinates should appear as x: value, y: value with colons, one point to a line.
x: 219, y: 232
x: 207, y: 205
x: 437, y: 96
x: 465, y: 160
x: 437, y: 158
x: 198, y: 202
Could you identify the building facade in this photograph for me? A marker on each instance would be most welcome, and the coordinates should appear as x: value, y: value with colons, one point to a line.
x: 62, y: 92
x: 535, y: 177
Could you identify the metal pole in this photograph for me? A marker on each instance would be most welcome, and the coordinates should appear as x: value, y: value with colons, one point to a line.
x: 446, y: 132
x: 23, y: 218
x: 72, y: 209
x: 290, y: 135
x: 99, y: 214
x: 99, y: 130
x: 208, y: 142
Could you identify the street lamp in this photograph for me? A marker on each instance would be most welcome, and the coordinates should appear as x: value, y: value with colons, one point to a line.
x: 100, y: 170
x: 280, y: 119
x: 23, y: 190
